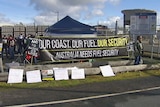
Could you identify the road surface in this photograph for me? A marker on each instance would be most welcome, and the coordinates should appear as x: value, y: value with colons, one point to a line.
x: 139, y: 92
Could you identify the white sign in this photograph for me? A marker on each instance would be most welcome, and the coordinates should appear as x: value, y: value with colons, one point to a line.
x: 15, y: 76
x: 130, y: 46
x: 107, y: 71
x: 143, y: 23
x: 61, y: 74
x: 33, y: 76
x: 77, y: 74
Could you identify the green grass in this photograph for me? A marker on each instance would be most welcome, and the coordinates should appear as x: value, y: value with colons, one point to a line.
x: 87, y: 80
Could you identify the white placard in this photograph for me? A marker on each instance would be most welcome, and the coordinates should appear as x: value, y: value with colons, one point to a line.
x: 15, y: 76
x: 107, y: 71
x: 77, y: 74
x: 33, y: 76
x: 61, y: 74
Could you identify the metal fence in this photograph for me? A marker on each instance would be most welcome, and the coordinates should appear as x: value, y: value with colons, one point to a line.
x: 25, y: 30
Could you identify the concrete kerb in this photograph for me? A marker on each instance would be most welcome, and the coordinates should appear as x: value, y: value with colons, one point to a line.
x: 121, y: 69
x: 3, y: 76
x: 88, y: 68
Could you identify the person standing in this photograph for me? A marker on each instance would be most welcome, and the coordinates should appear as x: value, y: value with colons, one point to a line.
x: 26, y: 42
x: 5, y: 46
x: 11, y: 46
x: 138, y: 50
x: 20, y: 44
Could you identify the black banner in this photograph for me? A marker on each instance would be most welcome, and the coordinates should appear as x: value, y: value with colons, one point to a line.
x: 81, y: 48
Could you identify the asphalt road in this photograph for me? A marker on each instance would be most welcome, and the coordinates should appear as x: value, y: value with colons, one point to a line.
x: 140, y: 92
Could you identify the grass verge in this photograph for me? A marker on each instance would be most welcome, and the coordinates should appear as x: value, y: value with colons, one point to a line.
x: 88, y: 79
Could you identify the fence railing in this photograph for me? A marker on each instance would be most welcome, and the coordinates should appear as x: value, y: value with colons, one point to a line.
x: 25, y: 30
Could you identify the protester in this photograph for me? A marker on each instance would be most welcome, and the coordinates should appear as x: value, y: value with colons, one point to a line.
x: 11, y: 42
x: 20, y: 43
x: 138, y: 50
x: 5, y: 46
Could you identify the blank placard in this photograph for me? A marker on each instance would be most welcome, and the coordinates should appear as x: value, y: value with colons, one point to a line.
x: 61, y: 74
x: 77, y: 74
x: 33, y: 76
x: 107, y: 71
x: 15, y: 76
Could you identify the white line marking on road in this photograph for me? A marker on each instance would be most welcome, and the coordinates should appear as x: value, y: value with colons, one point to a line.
x: 86, y: 98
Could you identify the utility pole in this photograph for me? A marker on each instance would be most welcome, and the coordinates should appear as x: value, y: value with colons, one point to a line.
x: 116, y: 27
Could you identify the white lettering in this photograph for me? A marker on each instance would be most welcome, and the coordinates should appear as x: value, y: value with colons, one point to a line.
x: 67, y: 55
x: 85, y: 54
x: 58, y: 44
x: 113, y: 52
x: 97, y: 53
x: 89, y: 44
x: 44, y: 44
x: 77, y: 44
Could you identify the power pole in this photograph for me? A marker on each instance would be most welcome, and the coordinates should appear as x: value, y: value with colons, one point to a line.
x: 116, y: 27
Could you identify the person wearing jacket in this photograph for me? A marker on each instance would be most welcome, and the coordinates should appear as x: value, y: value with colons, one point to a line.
x: 138, y: 50
x: 11, y: 42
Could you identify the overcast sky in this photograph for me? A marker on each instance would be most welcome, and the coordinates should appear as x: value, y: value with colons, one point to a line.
x: 92, y: 12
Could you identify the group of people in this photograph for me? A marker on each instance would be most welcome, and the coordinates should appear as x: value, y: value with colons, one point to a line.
x: 12, y: 45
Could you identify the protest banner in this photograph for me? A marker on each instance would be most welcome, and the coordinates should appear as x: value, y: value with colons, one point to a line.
x: 65, y: 48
